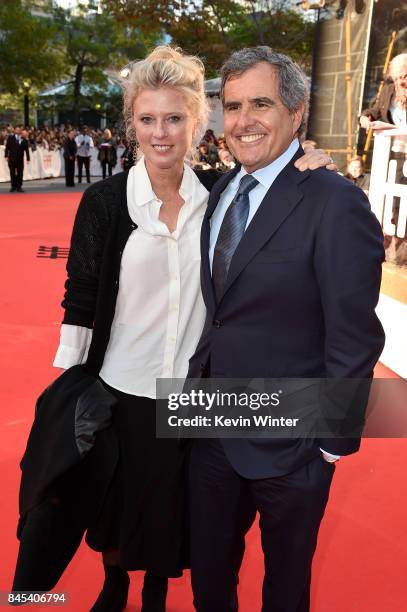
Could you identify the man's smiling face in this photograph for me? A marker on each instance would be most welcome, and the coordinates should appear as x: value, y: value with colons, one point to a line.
x: 258, y: 127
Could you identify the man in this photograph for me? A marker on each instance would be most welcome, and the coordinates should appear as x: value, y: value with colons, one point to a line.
x: 84, y: 143
x: 70, y: 150
x: 16, y: 146
x: 291, y: 269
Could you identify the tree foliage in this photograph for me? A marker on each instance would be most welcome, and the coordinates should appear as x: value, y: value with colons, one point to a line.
x: 93, y: 42
x: 27, y: 51
x: 215, y: 28
x: 47, y: 44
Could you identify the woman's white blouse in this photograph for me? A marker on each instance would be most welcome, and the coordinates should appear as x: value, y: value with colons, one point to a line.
x: 159, y: 310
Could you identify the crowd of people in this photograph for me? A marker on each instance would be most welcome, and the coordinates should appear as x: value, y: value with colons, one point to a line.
x: 52, y: 138
x: 77, y: 145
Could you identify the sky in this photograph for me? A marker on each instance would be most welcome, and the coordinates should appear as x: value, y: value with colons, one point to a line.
x: 68, y: 3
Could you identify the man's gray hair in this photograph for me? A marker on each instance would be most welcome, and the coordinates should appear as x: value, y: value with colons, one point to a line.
x: 293, y: 84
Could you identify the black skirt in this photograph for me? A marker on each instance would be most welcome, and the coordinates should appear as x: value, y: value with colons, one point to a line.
x: 144, y: 513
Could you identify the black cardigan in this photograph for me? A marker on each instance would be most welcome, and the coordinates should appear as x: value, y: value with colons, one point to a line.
x: 101, y: 229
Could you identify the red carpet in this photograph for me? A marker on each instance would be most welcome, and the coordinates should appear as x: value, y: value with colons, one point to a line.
x: 361, y: 563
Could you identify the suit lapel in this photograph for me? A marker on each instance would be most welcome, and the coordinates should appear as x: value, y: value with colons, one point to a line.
x: 281, y: 199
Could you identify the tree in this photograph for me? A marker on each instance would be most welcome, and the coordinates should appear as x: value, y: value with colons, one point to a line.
x: 93, y: 42
x: 280, y: 25
x: 213, y: 29
x: 25, y: 49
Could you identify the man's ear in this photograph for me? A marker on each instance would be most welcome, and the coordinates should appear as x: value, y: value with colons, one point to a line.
x: 297, y: 118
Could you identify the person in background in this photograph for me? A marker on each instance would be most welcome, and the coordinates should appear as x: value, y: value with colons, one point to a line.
x: 210, y: 139
x: 70, y: 150
x: 16, y: 147
x: 203, y: 156
x: 127, y: 157
x: 85, y: 144
x: 227, y: 161
x: 389, y: 109
x: 31, y: 140
x: 107, y: 153
x: 221, y: 143
x: 356, y: 174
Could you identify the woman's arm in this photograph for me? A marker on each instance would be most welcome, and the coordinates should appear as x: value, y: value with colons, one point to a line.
x: 73, y: 346
x: 85, y: 258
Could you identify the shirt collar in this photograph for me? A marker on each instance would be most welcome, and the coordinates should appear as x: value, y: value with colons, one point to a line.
x: 267, y: 175
x: 145, y: 193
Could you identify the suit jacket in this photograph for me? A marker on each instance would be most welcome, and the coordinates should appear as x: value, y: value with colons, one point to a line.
x: 15, y: 151
x: 70, y: 148
x: 70, y: 459
x: 299, y: 301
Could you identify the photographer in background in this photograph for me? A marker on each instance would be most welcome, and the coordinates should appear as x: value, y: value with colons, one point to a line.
x: 84, y: 143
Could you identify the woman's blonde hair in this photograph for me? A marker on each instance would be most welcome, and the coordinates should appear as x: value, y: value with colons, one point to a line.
x: 167, y: 66
x: 107, y: 133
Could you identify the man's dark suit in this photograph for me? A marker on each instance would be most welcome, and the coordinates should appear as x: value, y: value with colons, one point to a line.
x: 299, y: 302
x: 14, y: 153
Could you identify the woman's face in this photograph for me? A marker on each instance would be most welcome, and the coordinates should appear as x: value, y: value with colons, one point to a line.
x: 355, y: 168
x: 164, y: 126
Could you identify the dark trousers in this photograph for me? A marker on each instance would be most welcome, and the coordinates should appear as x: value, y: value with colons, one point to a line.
x: 69, y: 172
x: 223, y: 507
x: 109, y: 166
x: 83, y: 161
x: 16, y: 173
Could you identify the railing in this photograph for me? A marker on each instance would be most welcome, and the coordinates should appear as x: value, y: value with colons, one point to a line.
x: 383, y: 185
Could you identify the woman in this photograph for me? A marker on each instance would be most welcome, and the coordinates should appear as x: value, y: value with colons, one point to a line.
x: 134, y: 313
x: 107, y: 153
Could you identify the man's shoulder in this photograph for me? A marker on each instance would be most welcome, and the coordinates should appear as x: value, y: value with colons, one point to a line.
x: 336, y: 194
x: 329, y: 183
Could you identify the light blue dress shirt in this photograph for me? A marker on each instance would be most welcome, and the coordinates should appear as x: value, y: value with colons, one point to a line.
x: 266, y: 177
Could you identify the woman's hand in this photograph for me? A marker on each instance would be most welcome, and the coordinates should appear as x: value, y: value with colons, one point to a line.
x: 377, y: 126
x: 317, y: 158
x: 365, y: 121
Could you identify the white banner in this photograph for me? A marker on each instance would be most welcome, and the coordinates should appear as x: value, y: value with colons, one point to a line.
x: 46, y: 164
x: 383, y: 187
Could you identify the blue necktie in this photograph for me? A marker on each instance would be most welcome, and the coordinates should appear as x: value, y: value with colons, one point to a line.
x: 231, y: 232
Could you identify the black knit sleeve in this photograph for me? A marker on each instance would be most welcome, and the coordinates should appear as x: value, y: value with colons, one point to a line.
x: 208, y: 177
x: 89, y: 237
